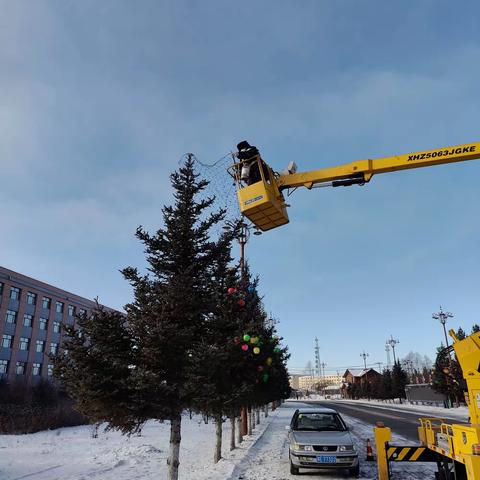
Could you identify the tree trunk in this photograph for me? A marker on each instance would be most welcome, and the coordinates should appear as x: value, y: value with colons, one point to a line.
x: 244, y: 417
x: 258, y: 416
x: 251, y: 423
x: 266, y: 410
x: 249, y: 418
x: 173, y: 456
x: 239, y: 431
x: 232, y: 432
x: 218, y: 439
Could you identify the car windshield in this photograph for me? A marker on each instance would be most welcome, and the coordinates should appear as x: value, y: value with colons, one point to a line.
x: 319, y: 422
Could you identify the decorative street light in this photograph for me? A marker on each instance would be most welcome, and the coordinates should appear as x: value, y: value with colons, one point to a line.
x: 442, y: 317
x: 364, y: 355
x: 392, y: 342
x: 241, y: 232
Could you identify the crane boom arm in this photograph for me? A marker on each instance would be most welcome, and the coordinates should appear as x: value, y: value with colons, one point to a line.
x: 361, y: 171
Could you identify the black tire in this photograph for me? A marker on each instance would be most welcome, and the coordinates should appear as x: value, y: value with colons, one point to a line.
x: 293, y: 469
x: 355, y: 471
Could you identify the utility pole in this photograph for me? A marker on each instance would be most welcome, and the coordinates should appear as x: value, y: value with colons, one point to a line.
x: 379, y: 366
x: 387, y: 349
x: 442, y: 317
x: 364, y: 355
x: 317, y: 358
x: 393, y: 343
x: 323, y: 365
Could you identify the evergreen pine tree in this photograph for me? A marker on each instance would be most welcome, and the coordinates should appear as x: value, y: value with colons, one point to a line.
x: 461, y: 335
x: 127, y: 370
x: 385, y: 388
x: 218, y: 357
x: 94, y: 367
x: 399, y: 381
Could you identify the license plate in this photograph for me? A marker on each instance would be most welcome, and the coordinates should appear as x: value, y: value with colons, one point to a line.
x: 327, y: 459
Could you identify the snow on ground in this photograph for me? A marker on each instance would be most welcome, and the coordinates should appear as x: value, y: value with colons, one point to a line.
x: 268, y: 459
x: 72, y: 453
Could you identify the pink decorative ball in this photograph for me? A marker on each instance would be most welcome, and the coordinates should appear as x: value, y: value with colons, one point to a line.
x: 244, y: 347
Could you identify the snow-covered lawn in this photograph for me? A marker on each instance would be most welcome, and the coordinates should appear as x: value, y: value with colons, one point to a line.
x: 72, y: 453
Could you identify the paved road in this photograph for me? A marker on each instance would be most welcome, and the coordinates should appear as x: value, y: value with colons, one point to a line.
x: 401, y: 423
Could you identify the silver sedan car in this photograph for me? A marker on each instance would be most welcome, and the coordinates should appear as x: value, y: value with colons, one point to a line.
x: 319, y: 438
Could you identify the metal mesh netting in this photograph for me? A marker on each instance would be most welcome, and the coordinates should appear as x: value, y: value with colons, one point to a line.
x: 220, y: 185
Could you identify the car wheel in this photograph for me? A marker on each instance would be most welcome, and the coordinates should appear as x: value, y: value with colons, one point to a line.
x: 293, y: 469
x: 355, y: 471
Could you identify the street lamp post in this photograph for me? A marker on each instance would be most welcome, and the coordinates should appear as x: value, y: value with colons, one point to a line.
x: 442, y: 317
x: 241, y: 233
x: 387, y: 349
x: 364, y: 355
x: 392, y: 342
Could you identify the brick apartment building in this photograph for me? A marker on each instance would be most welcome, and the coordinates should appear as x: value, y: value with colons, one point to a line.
x: 31, y: 313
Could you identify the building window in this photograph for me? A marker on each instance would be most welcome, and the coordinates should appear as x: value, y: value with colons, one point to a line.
x: 31, y: 298
x: 3, y: 366
x: 11, y: 316
x: 24, y: 343
x: 27, y: 320
x: 82, y: 312
x: 50, y: 369
x: 40, y: 346
x: 53, y: 348
x: 59, y: 307
x: 15, y: 293
x: 36, y: 369
x: 56, y: 327
x: 7, y: 341
x: 71, y: 311
x: 46, y: 302
x: 20, y: 370
x: 43, y: 324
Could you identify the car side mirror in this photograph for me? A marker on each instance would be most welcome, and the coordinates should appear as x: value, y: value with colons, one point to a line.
x: 287, y: 428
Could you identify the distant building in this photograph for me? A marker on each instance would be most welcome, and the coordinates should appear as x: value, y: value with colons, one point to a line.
x: 31, y: 315
x: 311, y: 382
x: 353, y: 377
x: 294, y: 381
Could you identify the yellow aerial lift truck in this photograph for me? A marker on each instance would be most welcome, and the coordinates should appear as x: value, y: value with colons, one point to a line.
x: 260, y: 189
x: 454, y: 447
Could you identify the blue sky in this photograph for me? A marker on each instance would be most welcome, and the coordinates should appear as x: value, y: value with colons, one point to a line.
x: 98, y: 101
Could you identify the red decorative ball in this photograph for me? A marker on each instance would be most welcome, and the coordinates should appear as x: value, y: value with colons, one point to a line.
x: 231, y: 290
x: 244, y: 347
x: 241, y: 302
